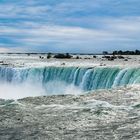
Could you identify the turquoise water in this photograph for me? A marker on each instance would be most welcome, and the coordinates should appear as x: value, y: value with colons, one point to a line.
x: 84, y: 78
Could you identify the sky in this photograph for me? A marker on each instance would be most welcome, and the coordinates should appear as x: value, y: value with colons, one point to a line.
x: 75, y: 26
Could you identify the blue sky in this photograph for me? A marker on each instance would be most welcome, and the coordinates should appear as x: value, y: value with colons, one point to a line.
x: 84, y: 26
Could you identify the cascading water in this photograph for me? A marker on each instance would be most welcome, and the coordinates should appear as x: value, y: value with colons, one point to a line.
x: 86, y: 78
x: 55, y: 79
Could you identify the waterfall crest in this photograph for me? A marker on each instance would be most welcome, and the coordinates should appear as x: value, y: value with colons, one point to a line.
x: 85, y: 78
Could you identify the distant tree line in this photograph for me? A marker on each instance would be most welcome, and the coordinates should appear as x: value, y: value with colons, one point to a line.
x: 136, y: 52
x: 120, y: 52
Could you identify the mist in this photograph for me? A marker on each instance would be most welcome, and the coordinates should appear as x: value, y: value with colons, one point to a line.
x: 27, y: 89
x: 12, y: 91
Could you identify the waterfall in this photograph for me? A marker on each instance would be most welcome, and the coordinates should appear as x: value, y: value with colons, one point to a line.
x: 84, y: 78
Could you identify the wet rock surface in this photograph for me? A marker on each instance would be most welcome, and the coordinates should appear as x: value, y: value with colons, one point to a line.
x: 102, y: 115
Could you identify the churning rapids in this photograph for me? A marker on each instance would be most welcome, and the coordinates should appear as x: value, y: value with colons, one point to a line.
x: 73, y: 102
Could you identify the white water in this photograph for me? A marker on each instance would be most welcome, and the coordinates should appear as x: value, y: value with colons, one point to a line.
x: 48, y: 77
x: 18, y: 83
x: 14, y: 91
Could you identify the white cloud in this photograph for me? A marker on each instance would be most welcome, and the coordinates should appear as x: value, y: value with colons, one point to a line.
x: 22, y: 11
x: 111, y: 33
